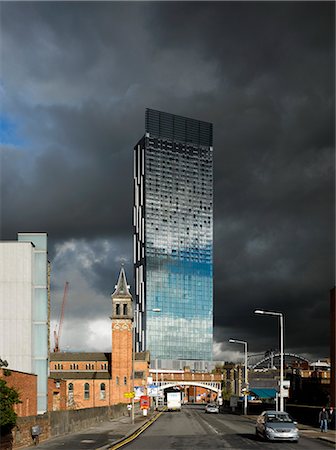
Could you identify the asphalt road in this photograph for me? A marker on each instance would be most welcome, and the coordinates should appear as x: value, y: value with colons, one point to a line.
x: 192, y: 429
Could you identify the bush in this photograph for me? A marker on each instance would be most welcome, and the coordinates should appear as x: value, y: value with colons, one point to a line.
x: 8, y: 398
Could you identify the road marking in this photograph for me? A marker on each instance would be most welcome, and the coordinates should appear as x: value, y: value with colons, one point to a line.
x: 136, y: 433
x: 87, y: 441
x: 211, y: 427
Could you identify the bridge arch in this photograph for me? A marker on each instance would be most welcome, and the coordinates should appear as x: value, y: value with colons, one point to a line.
x: 277, y: 355
x: 215, y: 387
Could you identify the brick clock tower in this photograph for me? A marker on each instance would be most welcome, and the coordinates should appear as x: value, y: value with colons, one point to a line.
x: 122, y: 340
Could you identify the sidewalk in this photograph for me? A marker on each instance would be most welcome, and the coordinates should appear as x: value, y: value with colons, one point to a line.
x: 101, y: 436
x: 311, y: 432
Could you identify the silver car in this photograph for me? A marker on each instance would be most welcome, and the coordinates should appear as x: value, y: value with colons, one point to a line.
x: 275, y: 425
x: 212, y: 408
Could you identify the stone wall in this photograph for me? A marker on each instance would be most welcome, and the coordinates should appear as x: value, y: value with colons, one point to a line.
x: 22, y: 432
x: 57, y: 423
x: 64, y: 422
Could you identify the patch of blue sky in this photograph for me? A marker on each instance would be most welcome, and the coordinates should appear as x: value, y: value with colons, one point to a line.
x: 9, y: 132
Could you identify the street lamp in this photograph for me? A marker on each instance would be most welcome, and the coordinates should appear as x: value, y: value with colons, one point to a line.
x: 156, y: 310
x: 236, y: 341
x: 135, y: 319
x: 280, y: 315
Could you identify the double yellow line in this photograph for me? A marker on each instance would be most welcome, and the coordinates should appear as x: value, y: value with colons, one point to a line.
x: 136, y: 433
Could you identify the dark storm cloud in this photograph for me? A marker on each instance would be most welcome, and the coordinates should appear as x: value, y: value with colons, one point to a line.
x: 76, y: 79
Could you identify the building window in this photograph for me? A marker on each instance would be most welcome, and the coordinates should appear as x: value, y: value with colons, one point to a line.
x: 125, y: 309
x: 102, y: 391
x: 86, y: 391
x: 117, y: 309
x: 70, y: 394
x: 117, y: 380
x: 125, y: 381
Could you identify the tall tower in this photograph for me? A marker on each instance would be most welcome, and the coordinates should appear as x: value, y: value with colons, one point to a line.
x: 122, y: 342
x: 173, y: 235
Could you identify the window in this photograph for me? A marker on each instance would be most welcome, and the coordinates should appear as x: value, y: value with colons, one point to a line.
x: 117, y: 380
x: 125, y: 380
x: 86, y: 391
x: 102, y: 391
x: 117, y: 309
x: 125, y: 309
x: 70, y: 394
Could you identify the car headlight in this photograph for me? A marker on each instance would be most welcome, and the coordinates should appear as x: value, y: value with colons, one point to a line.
x: 296, y: 430
x: 269, y: 429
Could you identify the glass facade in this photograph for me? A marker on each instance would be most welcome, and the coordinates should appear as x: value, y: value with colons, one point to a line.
x: 173, y: 235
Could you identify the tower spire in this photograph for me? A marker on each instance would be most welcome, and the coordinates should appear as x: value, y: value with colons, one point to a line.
x: 122, y: 288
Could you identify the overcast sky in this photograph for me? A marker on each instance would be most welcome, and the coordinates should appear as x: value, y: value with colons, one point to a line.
x: 75, y: 81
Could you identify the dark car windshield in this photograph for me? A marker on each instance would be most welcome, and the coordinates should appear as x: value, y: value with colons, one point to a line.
x: 278, y: 418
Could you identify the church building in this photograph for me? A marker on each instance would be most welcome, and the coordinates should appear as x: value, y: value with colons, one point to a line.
x: 100, y: 379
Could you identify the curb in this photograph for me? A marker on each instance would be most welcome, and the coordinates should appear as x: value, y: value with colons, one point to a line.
x: 129, y: 438
x: 329, y: 440
x: 326, y: 439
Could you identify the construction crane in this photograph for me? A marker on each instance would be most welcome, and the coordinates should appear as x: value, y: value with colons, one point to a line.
x: 57, y: 336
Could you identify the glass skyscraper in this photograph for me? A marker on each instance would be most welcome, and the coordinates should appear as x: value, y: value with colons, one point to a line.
x: 173, y: 237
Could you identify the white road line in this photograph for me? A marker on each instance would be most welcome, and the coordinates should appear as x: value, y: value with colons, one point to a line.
x: 211, y: 427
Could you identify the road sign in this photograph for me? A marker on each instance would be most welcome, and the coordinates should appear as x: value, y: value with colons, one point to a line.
x: 129, y: 394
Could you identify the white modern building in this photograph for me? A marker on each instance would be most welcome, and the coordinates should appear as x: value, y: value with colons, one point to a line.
x: 24, y: 308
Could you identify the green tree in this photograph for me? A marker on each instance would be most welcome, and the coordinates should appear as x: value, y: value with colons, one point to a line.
x: 8, y: 398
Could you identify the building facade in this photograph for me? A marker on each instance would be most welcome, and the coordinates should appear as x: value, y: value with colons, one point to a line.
x: 173, y: 237
x: 96, y: 379
x: 24, y: 308
x: 333, y: 347
x: 26, y: 386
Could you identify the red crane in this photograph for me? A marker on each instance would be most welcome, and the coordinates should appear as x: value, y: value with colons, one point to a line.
x: 57, y: 336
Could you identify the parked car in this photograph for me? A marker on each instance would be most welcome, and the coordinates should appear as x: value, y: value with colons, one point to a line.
x: 275, y: 425
x: 212, y: 408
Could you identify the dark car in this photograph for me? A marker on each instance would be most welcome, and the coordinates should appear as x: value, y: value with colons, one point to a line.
x: 275, y: 425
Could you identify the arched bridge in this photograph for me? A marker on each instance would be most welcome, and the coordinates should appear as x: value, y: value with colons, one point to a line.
x: 171, y: 378
x: 212, y: 386
x: 288, y: 358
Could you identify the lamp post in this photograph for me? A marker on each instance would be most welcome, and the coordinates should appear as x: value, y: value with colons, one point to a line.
x: 280, y: 315
x: 156, y: 310
x: 236, y: 341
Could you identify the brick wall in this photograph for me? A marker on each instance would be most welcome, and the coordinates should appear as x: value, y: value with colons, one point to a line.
x: 26, y: 385
x: 121, y: 360
x: 87, y: 393
x: 56, y: 395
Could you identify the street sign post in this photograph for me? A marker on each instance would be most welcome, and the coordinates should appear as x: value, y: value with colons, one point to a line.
x: 129, y: 394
